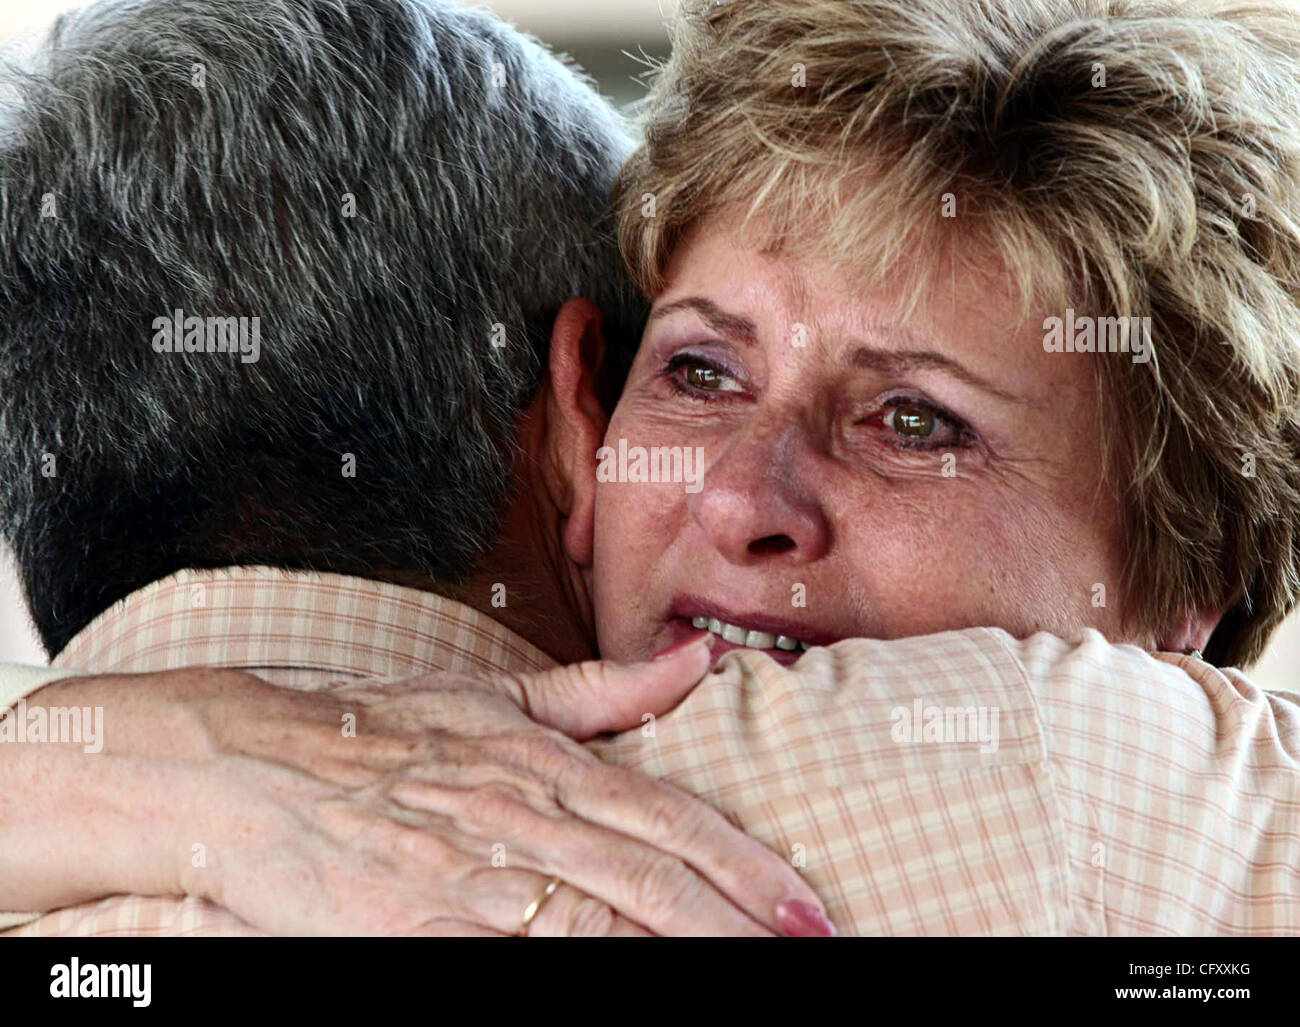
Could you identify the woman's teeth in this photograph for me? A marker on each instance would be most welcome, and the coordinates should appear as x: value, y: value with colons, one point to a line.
x: 743, y: 636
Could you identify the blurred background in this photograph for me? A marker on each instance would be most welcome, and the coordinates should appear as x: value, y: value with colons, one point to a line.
x: 610, y: 39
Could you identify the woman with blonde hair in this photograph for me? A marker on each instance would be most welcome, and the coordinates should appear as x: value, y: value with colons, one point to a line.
x: 993, y: 304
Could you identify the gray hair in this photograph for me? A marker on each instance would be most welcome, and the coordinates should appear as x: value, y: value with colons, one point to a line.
x: 404, y: 192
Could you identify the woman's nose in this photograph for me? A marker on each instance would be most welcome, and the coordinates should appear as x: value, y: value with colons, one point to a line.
x: 755, y: 507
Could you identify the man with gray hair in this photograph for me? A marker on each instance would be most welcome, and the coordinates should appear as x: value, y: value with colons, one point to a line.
x: 277, y: 282
x: 403, y: 194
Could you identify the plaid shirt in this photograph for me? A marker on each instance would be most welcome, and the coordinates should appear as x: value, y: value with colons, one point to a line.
x: 963, y: 783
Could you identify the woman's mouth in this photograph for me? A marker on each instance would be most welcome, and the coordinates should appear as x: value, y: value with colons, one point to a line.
x: 750, y: 638
x: 783, y: 639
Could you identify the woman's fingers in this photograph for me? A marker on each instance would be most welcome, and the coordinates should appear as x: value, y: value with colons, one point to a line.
x: 584, y: 699
x: 518, y: 823
x: 445, y: 781
x: 648, y: 885
x: 564, y: 777
x: 500, y: 897
x: 571, y: 913
x: 752, y: 876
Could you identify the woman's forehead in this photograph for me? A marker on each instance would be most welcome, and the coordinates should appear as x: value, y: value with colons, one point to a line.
x: 723, y: 275
x: 801, y: 269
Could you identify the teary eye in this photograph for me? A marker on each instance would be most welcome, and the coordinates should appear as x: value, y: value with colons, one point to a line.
x: 912, y: 420
x: 695, y: 374
x: 913, y: 423
x: 704, y: 377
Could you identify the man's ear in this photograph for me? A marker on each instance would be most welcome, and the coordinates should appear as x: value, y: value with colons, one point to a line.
x: 575, y: 422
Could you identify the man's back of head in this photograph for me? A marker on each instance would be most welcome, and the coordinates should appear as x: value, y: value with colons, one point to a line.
x: 276, y: 278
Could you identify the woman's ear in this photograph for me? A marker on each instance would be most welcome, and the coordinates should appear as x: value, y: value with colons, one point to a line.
x: 576, y: 422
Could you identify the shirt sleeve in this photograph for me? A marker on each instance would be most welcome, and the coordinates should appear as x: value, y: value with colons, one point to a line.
x: 18, y: 681
x: 1179, y: 785
x: 973, y: 783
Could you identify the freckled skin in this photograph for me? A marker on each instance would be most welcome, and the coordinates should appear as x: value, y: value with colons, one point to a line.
x: 801, y: 447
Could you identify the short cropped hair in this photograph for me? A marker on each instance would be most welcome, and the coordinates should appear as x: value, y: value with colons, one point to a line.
x: 1140, y: 158
x: 404, y: 192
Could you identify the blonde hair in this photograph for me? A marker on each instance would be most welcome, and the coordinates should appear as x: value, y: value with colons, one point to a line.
x: 1140, y: 158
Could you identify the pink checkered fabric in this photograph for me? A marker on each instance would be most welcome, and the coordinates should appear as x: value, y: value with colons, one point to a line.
x: 1124, y: 793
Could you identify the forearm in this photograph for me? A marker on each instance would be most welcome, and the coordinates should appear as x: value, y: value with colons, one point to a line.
x: 104, y: 815
x: 76, y: 827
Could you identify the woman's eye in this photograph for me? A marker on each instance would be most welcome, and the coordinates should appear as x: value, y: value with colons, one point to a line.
x: 913, y: 422
x: 701, y: 376
x: 920, y: 425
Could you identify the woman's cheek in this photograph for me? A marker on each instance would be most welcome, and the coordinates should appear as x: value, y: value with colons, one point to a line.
x: 930, y: 555
x: 632, y: 525
x: 634, y: 536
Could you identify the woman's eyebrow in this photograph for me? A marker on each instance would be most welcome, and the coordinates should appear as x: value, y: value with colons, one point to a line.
x: 893, y: 361
x: 889, y: 361
x: 735, y: 326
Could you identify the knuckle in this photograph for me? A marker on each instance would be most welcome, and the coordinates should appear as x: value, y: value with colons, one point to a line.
x: 516, y: 688
x: 490, y: 805
x: 589, y: 918
x: 667, y: 817
x: 661, y: 882
x: 554, y: 752
x: 426, y: 848
x: 555, y: 762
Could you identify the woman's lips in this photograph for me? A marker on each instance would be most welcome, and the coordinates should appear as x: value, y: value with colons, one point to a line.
x: 782, y: 639
x: 750, y: 638
x: 680, y: 629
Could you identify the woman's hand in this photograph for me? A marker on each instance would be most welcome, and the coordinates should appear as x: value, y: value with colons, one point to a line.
x: 439, y: 805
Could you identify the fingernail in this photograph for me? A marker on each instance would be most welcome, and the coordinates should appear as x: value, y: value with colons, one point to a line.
x: 677, y: 648
x: 800, y: 920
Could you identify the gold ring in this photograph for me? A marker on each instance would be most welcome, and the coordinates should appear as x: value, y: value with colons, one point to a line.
x: 535, y: 906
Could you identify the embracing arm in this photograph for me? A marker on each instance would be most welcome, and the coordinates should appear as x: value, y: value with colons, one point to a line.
x: 440, y: 813
x: 17, y: 681
x: 115, y: 809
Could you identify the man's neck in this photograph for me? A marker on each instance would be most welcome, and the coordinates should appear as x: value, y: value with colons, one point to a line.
x: 524, y: 583
x: 526, y: 603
